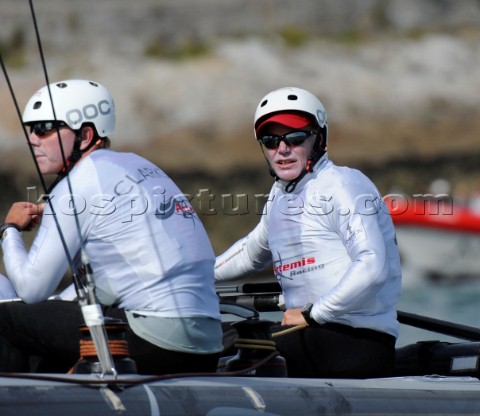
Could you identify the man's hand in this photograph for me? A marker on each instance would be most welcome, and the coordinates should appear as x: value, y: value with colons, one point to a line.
x: 26, y: 215
x: 293, y: 317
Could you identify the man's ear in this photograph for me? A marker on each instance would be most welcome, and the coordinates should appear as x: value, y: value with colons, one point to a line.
x: 87, y: 135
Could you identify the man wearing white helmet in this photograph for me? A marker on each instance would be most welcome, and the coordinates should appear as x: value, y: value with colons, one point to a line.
x: 332, y: 244
x: 151, y: 258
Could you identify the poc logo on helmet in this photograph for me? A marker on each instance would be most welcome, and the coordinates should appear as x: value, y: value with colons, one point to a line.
x: 88, y: 112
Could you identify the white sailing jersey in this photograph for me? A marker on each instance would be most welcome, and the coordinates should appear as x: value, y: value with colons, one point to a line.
x: 332, y: 243
x: 148, y: 250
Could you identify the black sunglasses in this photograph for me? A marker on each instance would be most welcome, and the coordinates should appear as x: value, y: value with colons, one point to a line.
x: 294, y: 138
x: 44, y: 128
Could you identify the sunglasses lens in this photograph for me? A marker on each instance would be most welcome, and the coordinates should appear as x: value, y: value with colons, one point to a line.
x: 43, y: 128
x: 270, y: 142
x: 295, y: 138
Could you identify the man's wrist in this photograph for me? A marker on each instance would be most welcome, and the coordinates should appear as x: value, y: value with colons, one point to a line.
x: 306, y: 312
x: 4, y: 227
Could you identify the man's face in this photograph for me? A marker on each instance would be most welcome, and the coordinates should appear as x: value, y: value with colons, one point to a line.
x: 46, y: 147
x: 287, y: 161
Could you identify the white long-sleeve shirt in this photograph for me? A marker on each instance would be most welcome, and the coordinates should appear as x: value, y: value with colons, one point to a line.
x: 148, y: 250
x: 332, y: 243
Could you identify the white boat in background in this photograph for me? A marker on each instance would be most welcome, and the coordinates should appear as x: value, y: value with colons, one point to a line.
x: 438, y: 239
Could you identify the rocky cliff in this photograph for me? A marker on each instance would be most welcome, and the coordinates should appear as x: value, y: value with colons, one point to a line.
x: 399, y: 79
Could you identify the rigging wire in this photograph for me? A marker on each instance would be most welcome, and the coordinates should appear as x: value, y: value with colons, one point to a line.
x: 85, y: 288
x: 133, y: 380
x: 91, y: 309
x: 46, y: 197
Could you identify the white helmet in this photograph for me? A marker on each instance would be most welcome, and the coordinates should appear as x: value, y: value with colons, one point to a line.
x: 75, y: 102
x: 294, y: 99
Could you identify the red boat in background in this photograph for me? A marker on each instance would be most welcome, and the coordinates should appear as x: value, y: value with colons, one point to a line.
x: 438, y: 239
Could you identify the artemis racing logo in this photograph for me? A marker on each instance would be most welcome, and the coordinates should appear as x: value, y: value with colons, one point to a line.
x: 304, y: 265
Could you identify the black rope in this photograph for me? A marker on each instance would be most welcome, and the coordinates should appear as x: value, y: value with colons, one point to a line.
x: 80, y: 285
x: 85, y: 285
x: 42, y: 180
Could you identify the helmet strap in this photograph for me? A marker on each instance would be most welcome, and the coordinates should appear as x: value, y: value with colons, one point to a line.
x: 75, y: 156
x: 270, y: 170
x: 317, y: 153
x: 76, y: 152
x: 71, y: 161
x: 293, y: 183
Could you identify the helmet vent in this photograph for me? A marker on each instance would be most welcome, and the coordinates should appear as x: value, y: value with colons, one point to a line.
x: 37, y: 105
x: 93, y: 83
x: 61, y: 85
x: 292, y: 97
x: 264, y: 103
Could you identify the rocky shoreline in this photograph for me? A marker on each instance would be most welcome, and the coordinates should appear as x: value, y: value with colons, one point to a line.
x: 399, y: 79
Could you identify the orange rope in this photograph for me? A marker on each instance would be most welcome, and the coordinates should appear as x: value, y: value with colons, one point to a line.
x: 87, y: 349
x: 119, y: 347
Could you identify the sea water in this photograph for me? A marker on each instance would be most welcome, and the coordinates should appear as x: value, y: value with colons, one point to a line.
x: 457, y: 302
x: 453, y: 301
